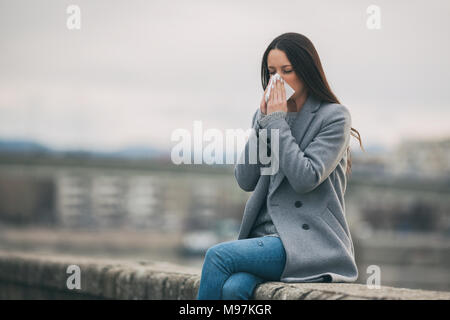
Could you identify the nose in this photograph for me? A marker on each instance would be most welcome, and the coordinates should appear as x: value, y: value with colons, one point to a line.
x: 277, y: 74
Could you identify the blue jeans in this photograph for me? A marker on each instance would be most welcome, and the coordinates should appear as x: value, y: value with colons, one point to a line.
x: 231, y: 270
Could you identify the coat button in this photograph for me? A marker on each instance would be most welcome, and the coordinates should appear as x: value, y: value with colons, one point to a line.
x: 298, y: 204
x: 305, y: 226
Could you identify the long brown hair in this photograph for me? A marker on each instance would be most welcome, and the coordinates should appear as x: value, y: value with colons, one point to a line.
x: 306, y: 63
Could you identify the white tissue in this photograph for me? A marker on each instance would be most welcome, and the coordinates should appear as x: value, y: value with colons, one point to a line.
x: 289, y: 91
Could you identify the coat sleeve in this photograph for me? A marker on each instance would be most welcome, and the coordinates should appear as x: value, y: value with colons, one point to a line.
x: 306, y: 169
x: 247, y: 174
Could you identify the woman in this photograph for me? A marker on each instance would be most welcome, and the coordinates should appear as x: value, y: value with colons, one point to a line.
x: 294, y: 227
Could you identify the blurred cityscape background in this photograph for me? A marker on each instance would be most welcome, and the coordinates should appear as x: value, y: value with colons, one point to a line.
x: 398, y: 208
x: 86, y: 118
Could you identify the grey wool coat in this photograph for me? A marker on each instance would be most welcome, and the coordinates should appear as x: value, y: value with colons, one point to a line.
x: 306, y: 199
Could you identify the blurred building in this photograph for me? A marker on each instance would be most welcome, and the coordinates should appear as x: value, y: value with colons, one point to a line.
x: 422, y: 158
x: 413, y: 158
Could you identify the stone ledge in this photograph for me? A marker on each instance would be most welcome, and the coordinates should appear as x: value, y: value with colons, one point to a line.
x: 43, y: 276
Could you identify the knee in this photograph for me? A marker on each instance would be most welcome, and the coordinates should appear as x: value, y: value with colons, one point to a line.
x: 237, y: 287
x: 211, y: 253
x: 215, y: 252
x: 231, y: 289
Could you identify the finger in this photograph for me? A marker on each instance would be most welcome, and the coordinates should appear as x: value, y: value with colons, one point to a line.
x: 265, y: 92
x: 270, y: 83
x: 267, y: 87
x: 271, y: 93
x: 283, y: 91
x: 277, y: 91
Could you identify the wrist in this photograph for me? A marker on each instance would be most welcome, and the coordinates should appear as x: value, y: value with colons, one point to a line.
x: 270, y: 117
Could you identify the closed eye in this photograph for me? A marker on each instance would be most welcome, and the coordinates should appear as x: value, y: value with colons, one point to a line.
x: 272, y: 73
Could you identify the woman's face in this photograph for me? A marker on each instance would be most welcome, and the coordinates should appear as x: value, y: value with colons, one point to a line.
x: 277, y: 61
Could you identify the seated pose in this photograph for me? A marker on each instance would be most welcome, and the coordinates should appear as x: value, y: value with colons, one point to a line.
x: 294, y: 227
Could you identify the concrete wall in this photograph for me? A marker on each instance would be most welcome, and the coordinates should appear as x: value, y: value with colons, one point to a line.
x: 40, y: 276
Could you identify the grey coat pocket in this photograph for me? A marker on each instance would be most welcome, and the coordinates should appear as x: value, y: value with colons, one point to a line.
x: 334, y: 224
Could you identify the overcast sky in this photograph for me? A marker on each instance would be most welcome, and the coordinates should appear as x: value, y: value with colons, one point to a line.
x: 137, y: 70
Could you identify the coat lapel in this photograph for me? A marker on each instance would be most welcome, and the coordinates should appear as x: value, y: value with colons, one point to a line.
x: 299, y: 128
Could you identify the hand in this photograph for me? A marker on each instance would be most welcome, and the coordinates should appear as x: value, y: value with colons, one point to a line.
x: 277, y: 98
x: 263, y: 104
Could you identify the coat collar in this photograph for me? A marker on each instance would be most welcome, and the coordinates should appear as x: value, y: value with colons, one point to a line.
x: 311, y: 105
x: 304, y: 117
